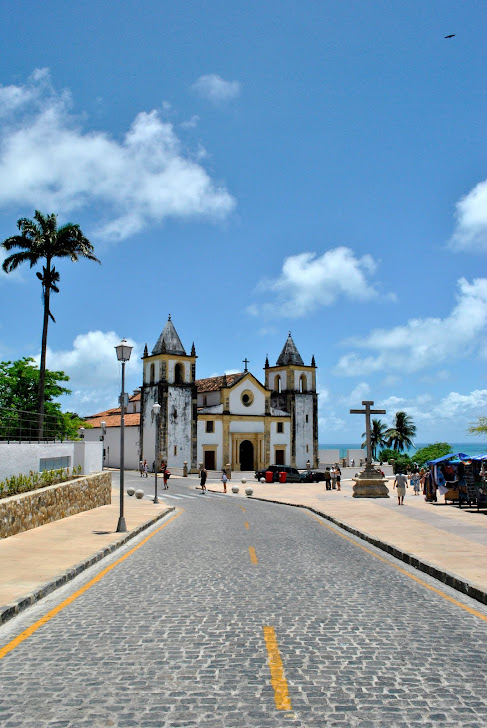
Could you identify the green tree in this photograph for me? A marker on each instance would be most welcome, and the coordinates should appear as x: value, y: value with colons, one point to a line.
x: 400, y: 435
x: 19, y: 384
x: 479, y: 427
x: 431, y: 452
x: 41, y: 240
x: 377, y: 437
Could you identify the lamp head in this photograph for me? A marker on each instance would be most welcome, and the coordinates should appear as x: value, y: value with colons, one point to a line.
x: 156, y: 408
x: 123, y: 350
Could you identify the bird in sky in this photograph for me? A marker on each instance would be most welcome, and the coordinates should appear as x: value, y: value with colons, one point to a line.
x: 450, y: 36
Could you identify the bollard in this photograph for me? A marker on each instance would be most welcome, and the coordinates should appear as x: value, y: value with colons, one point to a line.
x: 228, y: 471
x: 185, y: 469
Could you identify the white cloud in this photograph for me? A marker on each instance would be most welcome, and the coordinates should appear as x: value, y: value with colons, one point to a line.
x: 357, y: 395
x: 308, y: 281
x: 471, y: 227
x: 94, y: 371
x: 454, y: 407
x: 216, y: 89
x: 423, y: 343
x: 48, y: 161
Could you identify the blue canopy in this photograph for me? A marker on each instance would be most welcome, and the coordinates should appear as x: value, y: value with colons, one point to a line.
x: 459, y: 455
x: 483, y: 456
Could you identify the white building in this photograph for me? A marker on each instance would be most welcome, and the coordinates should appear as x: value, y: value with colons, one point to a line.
x: 230, y: 420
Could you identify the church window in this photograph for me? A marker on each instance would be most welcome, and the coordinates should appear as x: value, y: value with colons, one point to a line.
x: 280, y: 426
x: 210, y: 426
x: 303, y: 384
x: 307, y: 448
x: 152, y: 373
x: 205, y: 400
x: 277, y: 384
x: 247, y: 398
x: 175, y: 449
x: 307, y: 418
x: 178, y: 374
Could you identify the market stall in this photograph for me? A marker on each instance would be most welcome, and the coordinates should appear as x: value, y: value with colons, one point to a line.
x: 458, y: 478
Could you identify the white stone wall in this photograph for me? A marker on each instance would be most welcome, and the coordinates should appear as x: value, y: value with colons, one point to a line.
x: 282, y: 439
x: 179, y: 427
x: 149, y: 429
x: 271, y: 380
x: 211, y: 438
x: 297, y: 376
x: 237, y: 407
x: 329, y: 457
x: 247, y: 426
x: 111, y: 444
x: 17, y: 458
x: 357, y: 456
x: 304, y: 430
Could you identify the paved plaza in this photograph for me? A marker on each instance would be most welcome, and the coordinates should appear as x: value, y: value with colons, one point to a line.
x: 230, y: 611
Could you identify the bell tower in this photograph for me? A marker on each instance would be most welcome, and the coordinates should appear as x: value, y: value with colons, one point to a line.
x: 169, y: 379
x: 293, y: 387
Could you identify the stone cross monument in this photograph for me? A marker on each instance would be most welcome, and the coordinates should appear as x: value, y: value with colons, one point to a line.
x: 370, y: 483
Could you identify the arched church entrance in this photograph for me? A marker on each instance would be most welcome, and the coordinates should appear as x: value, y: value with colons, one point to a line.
x: 246, y: 455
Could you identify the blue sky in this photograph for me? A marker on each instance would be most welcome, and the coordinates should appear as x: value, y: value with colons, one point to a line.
x: 254, y: 168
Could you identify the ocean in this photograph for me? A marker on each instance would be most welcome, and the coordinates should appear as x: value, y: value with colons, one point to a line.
x: 468, y: 448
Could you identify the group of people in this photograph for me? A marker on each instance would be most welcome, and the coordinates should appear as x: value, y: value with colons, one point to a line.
x: 204, y: 475
x: 333, y: 477
x: 144, y: 472
x: 416, y: 480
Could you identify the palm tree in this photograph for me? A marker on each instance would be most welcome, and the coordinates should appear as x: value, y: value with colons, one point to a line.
x: 41, y: 239
x: 377, y: 437
x: 400, y: 435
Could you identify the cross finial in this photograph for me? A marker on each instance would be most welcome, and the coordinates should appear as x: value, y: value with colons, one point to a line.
x: 245, y: 361
x: 169, y: 317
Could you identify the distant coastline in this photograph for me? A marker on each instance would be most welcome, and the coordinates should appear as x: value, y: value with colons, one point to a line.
x: 468, y: 448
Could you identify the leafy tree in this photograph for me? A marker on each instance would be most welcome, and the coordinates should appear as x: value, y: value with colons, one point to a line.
x: 400, y: 435
x: 19, y: 384
x: 431, y: 452
x: 401, y: 463
x: 377, y: 437
x: 387, y: 455
x: 479, y: 427
x: 41, y: 239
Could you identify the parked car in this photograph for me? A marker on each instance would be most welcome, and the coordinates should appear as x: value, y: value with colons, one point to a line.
x: 292, y: 474
x: 314, y: 476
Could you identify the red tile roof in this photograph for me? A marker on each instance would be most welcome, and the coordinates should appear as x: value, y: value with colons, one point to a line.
x: 213, y: 384
x: 112, y: 419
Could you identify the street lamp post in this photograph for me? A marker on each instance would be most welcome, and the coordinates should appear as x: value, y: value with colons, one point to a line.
x: 156, y: 408
x: 123, y: 355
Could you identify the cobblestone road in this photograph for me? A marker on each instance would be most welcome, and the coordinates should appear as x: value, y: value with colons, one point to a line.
x: 174, y: 635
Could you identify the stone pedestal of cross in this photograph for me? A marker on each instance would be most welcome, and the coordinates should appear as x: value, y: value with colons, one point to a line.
x: 370, y: 483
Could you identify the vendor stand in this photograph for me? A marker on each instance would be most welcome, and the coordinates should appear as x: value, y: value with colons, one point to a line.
x: 459, y: 478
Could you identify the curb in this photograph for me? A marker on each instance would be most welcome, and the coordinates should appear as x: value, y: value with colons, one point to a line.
x: 452, y: 580
x: 11, y: 610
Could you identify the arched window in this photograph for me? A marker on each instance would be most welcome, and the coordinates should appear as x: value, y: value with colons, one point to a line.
x: 178, y: 374
x: 277, y: 384
x: 152, y: 373
x: 303, y: 384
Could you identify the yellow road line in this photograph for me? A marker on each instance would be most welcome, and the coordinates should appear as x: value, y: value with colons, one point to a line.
x: 406, y: 573
x: 246, y: 524
x: 243, y: 509
x: 52, y: 613
x: 278, y: 679
x: 253, y: 555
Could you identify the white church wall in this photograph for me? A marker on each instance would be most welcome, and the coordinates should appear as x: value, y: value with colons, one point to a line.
x: 304, y: 430
x: 297, y: 376
x: 246, y: 426
x: 149, y: 425
x: 273, y: 381
x: 239, y: 408
x: 210, y: 438
x: 179, y: 427
x: 111, y: 445
x: 281, y: 440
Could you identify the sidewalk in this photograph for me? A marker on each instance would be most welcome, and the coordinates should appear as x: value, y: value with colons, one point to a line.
x: 36, y: 562
x: 443, y: 541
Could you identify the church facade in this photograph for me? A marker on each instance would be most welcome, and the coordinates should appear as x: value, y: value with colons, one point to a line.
x: 231, y: 420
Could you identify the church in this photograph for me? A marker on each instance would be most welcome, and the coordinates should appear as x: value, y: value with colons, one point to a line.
x: 233, y: 420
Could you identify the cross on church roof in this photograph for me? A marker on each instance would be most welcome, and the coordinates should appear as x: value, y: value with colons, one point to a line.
x: 246, y: 361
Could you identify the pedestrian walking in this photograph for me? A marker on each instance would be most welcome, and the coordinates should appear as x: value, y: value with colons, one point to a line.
x: 146, y: 469
x: 224, y: 480
x: 166, y: 474
x: 141, y: 468
x: 339, y: 476
x: 415, y: 478
x: 327, y: 477
x: 400, y: 484
x: 203, y: 476
x: 333, y: 475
